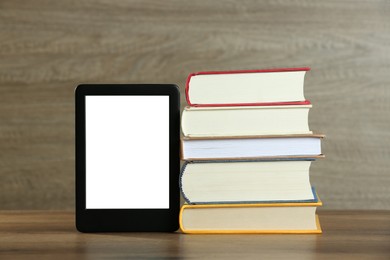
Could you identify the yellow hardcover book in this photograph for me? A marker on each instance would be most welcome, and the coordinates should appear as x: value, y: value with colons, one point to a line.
x: 265, y: 218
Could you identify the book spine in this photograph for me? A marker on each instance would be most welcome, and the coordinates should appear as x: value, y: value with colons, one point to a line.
x: 183, y: 168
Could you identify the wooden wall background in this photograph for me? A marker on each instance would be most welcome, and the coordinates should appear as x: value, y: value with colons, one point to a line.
x: 49, y: 47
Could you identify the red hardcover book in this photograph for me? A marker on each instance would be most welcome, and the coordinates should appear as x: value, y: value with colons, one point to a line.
x: 267, y: 87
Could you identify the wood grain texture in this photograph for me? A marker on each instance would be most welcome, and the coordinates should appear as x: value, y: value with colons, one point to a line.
x: 52, y: 235
x: 49, y: 47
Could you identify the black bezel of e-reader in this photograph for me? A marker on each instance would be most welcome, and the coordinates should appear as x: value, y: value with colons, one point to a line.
x: 126, y: 220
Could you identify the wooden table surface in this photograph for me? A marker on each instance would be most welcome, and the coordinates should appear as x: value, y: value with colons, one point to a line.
x: 51, y: 235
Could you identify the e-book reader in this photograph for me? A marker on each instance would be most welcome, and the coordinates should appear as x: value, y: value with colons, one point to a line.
x: 127, y: 157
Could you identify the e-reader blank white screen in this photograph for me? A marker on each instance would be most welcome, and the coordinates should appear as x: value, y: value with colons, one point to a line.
x: 127, y: 152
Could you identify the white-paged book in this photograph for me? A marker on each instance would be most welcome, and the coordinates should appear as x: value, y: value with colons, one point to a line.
x: 227, y: 88
x: 246, y: 120
x: 249, y: 147
x: 214, y: 182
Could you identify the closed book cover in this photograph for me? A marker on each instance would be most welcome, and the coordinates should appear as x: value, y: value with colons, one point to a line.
x: 246, y: 87
x: 244, y: 121
x: 251, y: 147
x: 277, y: 218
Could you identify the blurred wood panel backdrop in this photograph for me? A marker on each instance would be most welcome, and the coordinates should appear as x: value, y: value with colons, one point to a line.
x: 49, y: 47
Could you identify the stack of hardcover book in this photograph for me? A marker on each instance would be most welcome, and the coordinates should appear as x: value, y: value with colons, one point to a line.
x: 247, y: 149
